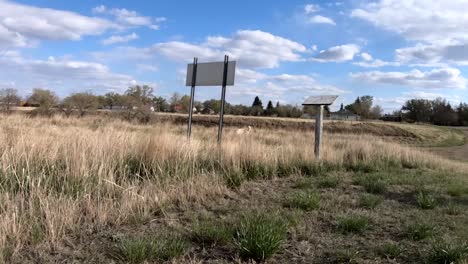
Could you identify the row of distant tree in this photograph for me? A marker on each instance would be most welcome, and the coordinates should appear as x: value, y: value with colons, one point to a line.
x: 137, y: 101
x: 438, y: 112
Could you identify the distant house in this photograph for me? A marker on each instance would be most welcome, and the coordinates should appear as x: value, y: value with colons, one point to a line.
x: 344, y: 114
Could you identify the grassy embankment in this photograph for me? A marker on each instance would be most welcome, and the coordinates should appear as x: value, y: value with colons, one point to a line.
x: 99, y: 190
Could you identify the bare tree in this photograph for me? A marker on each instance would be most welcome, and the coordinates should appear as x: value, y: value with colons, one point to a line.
x: 81, y: 102
x: 44, y: 99
x: 8, y: 98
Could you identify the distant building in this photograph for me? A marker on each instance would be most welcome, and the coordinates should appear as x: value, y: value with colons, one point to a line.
x: 344, y: 114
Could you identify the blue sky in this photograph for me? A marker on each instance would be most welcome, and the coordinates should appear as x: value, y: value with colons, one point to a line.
x: 286, y: 50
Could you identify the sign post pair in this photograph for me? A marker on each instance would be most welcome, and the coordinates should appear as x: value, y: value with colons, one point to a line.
x: 210, y: 74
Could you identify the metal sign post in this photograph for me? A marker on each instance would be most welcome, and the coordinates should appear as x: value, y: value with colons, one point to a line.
x: 223, y: 99
x: 210, y: 74
x: 192, y: 97
x: 319, y: 101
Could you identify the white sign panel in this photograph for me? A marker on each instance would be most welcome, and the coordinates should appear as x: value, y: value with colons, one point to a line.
x: 320, y: 100
x: 211, y: 74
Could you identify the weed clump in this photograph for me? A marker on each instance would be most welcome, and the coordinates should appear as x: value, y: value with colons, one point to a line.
x: 139, y: 250
x: 369, y: 201
x: 353, y: 224
x: 259, y: 235
x: 328, y: 182
x: 420, y: 231
x: 209, y: 232
x: 425, y: 200
x: 448, y: 252
x: 372, y: 183
x: 389, y: 250
x: 304, y: 200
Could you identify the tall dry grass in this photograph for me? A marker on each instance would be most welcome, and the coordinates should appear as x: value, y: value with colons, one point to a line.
x: 62, y: 176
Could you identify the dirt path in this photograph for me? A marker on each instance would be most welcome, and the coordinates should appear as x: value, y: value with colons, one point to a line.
x: 455, y: 153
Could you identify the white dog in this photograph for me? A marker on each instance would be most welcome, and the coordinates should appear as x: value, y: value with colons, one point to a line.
x: 242, y: 131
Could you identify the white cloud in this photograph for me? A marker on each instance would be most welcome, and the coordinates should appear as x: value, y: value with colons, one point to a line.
x: 289, y: 88
x: 311, y: 8
x: 119, y: 39
x: 251, y: 49
x: 337, y: 54
x: 318, y: 19
x: 424, y: 20
x: 454, y: 52
x: 22, y: 24
x: 435, y: 79
x: 63, y: 75
x: 129, y: 18
x: 366, y: 56
x: 147, y: 68
x: 369, y: 62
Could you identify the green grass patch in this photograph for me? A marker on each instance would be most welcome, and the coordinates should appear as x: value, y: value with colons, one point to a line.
x: 304, y: 183
x: 453, y: 209
x: 304, y: 200
x: 372, y: 183
x: 140, y: 250
x: 210, y: 232
x: 420, y: 231
x: 426, y: 200
x: 369, y: 201
x: 448, y: 252
x: 328, y: 182
x: 458, y: 190
x: 353, y: 224
x: 259, y: 236
x: 389, y: 250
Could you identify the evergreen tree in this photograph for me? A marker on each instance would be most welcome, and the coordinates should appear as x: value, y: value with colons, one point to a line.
x: 257, y: 107
x: 257, y: 102
x: 270, y: 109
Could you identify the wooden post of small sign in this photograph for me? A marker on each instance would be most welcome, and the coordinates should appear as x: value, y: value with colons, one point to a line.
x: 223, y: 99
x: 319, y: 101
x: 192, y: 97
x: 318, y: 130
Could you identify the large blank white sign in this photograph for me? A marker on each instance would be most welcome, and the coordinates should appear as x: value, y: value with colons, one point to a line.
x: 211, y: 74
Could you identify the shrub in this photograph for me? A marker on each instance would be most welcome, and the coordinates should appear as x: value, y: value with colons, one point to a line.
x: 445, y: 253
x: 369, y: 201
x: 372, y: 183
x: 425, y: 200
x: 328, y: 182
x: 304, y: 200
x: 209, y: 232
x: 389, y: 250
x: 259, y: 235
x: 353, y: 224
x: 420, y: 231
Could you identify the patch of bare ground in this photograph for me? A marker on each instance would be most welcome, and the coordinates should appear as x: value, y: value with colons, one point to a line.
x: 454, y: 152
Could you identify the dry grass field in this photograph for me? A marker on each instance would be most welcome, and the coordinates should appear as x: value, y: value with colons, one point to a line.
x: 101, y: 190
